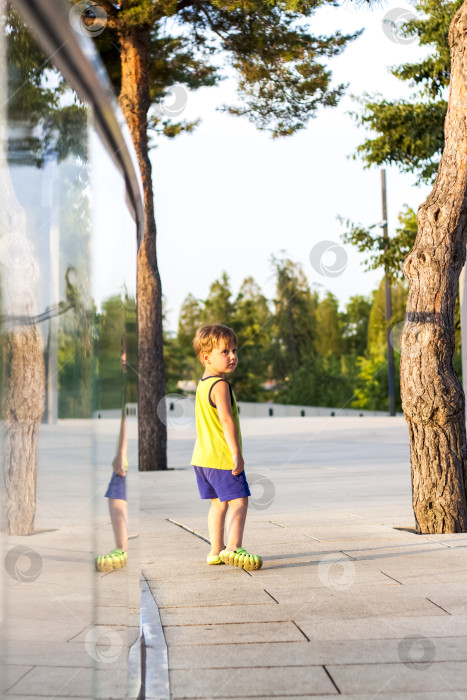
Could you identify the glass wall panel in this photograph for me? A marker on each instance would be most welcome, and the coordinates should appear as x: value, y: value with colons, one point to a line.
x: 68, y: 389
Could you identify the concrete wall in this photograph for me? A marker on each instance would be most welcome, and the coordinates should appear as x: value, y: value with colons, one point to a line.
x: 247, y: 409
x: 253, y: 410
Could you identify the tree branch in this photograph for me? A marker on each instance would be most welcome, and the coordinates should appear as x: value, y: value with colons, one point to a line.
x: 182, y: 4
x: 212, y: 25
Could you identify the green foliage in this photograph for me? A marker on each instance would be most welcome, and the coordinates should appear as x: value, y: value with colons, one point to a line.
x: 115, y: 326
x: 377, y: 325
x: 89, y: 357
x: 280, y: 64
x: 294, y: 319
x: 251, y: 321
x: 371, y: 392
x: 74, y: 375
x: 371, y: 385
x: 173, y: 60
x: 248, y: 315
x: 218, y: 307
x: 181, y: 350
x: 390, y: 253
x: 178, y: 363
x: 342, y: 355
x: 339, y: 355
x: 329, y: 326
x: 355, y: 322
x: 76, y: 360
x: 318, y: 382
x: 432, y: 74
x: 281, y: 79
x: 410, y: 133
x: 43, y: 125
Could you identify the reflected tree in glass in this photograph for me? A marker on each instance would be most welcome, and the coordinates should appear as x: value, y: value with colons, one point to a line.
x: 40, y: 128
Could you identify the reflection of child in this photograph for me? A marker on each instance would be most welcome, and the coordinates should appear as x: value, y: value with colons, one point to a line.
x: 217, y: 457
x: 116, y: 493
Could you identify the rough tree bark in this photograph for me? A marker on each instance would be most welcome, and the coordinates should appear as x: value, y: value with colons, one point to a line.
x: 432, y: 397
x: 134, y: 100
x: 23, y: 405
x: 23, y: 380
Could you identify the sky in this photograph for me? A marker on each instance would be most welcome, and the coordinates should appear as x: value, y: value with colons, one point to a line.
x: 228, y: 197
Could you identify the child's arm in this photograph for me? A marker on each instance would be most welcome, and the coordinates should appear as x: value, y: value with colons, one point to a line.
x: 118, y: 464
x: 220, y: 395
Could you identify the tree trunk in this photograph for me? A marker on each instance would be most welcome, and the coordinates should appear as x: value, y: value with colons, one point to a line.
x: 432, y: 397
x: 23, y: 404
x: 23, y: 371
x: 134, y: 100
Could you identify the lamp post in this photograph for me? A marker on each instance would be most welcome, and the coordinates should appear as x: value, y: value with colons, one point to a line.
x: 384, y: 225
x: 388, y: 303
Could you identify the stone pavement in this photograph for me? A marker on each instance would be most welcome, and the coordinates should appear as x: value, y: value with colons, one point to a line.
x: 66, y: 630
x: 349, y: 602
x: 346, y: 604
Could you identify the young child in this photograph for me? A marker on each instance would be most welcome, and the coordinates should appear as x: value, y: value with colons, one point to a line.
x: 118, y: 509
x: 116, y: 490
x: 217, y: 457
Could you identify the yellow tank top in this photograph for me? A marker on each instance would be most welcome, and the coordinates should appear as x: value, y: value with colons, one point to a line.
x: 211, y: 449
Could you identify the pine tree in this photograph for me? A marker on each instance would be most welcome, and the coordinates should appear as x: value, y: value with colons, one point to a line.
x: 281, y: 83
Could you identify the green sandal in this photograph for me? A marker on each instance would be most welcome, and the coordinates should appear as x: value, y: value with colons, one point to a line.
x: 214, y: 559
x: 241, y: 558
x: 116, y: 559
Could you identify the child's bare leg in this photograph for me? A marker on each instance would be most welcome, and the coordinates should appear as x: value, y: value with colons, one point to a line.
x: 118, y: 509
x: 216, y: 521
x: 237, y: 515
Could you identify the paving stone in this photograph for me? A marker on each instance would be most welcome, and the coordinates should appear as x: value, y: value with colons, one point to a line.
x: 444, y: 676
x: 45, y: 653
x: 185, y: 602
x: 66, y: 682
x: 49, y: 681
x: 188, y: 596
x: 385, y: 627
x: 53, y: 630
x: 339, y: 487
x: 28, y: 697
x: 459, y: 576
x: 343, y: 600
x: 449, y: 596
x: 331, y: 568
x: 314, y: 652
x: 320, y: 604
x: 459, y: 695
x: 11, y: 674
x: 251, y: 682
x: 271, y: 612
x: 241, y: 633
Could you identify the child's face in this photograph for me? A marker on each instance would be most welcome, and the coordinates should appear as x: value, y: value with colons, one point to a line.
x: 221, y: 360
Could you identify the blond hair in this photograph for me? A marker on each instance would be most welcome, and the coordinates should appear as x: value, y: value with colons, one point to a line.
x: 209, y: 337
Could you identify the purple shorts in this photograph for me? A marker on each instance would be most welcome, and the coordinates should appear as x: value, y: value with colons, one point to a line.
x: 221, y: 484
x: 117, y: 487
